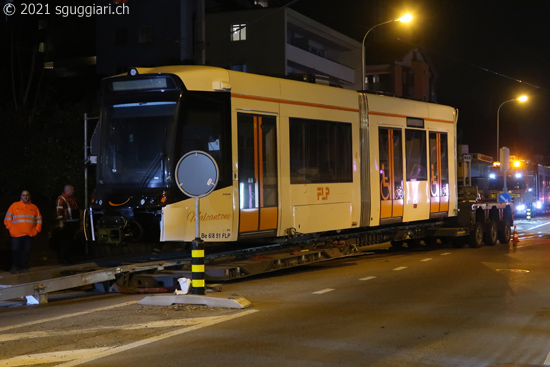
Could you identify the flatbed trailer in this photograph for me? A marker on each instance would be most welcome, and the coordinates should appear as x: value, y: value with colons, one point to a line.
x: 477, y: 223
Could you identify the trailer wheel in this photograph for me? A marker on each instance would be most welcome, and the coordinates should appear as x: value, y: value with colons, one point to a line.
x: 476, y: 235
x: 505, y: 232
x: 491, y: 233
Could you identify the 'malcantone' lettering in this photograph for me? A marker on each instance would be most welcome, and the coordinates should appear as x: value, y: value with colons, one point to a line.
x: 203, y: 217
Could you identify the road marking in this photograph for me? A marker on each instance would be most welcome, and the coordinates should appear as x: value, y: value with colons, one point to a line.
x: 65, y: 316
x: 400, y: 268
x: 77, y: 357
x: 326, y: 290
x: 427, y: 259
x: 547, y: 360
x: 540, y: 225
x: 57, y: 333
x: 368, y: 278
x: 52, y: 357
x: 515, y: 270
x: 445, y: 253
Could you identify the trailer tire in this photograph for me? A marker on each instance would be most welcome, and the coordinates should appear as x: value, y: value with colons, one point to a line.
x: 504, y: 232
x: 476, y: 235
x: 491, y: 233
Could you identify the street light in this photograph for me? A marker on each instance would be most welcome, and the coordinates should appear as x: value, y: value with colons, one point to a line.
x: 405, y: 18
x: 521, y: 99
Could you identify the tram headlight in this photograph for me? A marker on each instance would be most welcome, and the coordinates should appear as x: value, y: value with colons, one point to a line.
x: 520, y: 208
x: 538, y: 204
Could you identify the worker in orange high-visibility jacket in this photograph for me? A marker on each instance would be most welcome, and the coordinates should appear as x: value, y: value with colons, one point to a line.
x: 68, y: 217
x: 24, y: 221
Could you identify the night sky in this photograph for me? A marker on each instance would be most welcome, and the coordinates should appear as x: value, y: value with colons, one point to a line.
x: 484, y: 52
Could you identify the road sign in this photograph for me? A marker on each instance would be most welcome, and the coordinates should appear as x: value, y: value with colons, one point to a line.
x: 504, y: 197
x: 197, y: 174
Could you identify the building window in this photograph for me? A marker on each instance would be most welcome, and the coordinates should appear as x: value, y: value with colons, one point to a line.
x: 146, y: 34
x: 239, y: 67
x: 238, y: 32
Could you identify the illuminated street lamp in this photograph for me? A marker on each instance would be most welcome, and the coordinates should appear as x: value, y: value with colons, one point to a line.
x: 405, y: 18
x: 521, y: 99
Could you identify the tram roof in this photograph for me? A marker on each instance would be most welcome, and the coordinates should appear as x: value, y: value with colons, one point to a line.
x: 209, y: 78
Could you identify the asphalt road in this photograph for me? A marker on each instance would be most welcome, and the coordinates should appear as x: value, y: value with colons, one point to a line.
x: 445, y: 307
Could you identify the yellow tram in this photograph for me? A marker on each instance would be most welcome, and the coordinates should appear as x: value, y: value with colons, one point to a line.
x: 294, y: 157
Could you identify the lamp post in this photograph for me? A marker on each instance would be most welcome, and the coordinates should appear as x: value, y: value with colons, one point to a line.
x: 521, y: 99
x: 406, y: 18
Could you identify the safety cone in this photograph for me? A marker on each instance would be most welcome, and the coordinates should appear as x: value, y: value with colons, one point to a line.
x: 515, y: 238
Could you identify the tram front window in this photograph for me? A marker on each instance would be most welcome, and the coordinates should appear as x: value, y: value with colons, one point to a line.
x: 133, y: 143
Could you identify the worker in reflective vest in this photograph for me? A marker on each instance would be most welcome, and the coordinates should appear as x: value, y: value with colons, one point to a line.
x: 24, y: 221
x: 68, y: 218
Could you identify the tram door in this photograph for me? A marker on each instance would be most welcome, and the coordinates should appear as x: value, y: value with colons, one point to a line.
x: 391, y: 173
x: 439, y: 173
x: 258, y: 184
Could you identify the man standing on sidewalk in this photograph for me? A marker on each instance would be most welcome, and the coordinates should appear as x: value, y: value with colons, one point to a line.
x: 24, y: 221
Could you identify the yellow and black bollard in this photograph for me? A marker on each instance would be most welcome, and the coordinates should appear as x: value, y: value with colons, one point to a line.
x: 528, y: 215
x: 197, y: 266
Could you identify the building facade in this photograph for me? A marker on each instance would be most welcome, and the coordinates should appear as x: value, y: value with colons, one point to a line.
x: 282, y: 42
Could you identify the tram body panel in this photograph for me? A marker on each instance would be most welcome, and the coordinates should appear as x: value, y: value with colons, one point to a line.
x: 401, y: 181
x: 313, y: 201
x: 216, y: 218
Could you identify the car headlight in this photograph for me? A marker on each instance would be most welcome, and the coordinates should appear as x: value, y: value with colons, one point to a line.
x: 520, y: 208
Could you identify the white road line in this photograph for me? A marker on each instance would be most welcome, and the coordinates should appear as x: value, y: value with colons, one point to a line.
x: 427, y: 259
x: 400, y: 268
x: 326, y: 290
x: 57, y: 333
x: 78, y: 357
x: 445, y: 253
x: 368, y: 278
x: 52, y: 357
x: 540, y: 225
x: 65, y: 316
x: 547, y: 360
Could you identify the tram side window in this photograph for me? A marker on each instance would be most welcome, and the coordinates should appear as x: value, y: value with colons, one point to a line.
x: 415, y: 155
x: 320, y: 151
